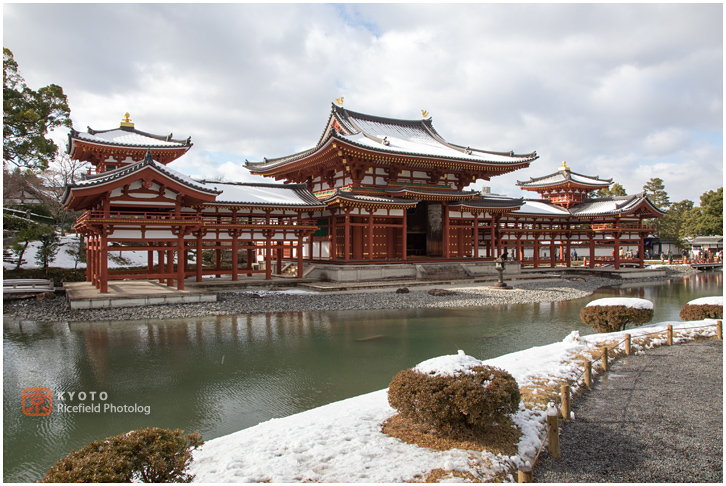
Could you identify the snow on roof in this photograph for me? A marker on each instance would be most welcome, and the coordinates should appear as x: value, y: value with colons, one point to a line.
x: 264, y: 194
x: 411, y: 140
x: 626, y: 302
x: 541, y: 208
x: 708, y: 301
x: 608, y: 205
x: 125, y: 137
x: 562, y: 177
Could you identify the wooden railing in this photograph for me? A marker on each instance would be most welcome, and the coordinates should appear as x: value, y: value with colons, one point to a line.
x: 136, y: 216
x: 552, y: 429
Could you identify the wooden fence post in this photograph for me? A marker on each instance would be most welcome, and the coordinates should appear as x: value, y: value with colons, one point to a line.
x: 670, y: 334
x: 605, y: 358
x: 588, y: 374
x: 565, y: 397
x: 525, y: 475
x: 554, y: 436
x: 627, y: 344
x: 719, y: 330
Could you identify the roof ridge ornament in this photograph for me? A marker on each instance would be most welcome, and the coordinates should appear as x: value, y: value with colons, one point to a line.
x: 424, y: 114
x: 149, y: 158
x: 564, y: 166
x: 126, y: 121
x: 339, y: 101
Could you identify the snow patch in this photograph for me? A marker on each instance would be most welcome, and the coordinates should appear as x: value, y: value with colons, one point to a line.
x: 626, y: 302
x: 708, y: 301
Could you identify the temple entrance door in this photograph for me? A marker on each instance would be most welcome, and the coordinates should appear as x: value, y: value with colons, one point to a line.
x: 424, y: 232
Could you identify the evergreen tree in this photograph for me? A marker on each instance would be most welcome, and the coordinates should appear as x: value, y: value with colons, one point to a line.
x: 28, y: 116
x: 655, y: 191
x: 710, y: 222
x: 615, y: 190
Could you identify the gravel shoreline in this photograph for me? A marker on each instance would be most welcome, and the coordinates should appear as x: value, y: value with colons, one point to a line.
x: 256, y: 302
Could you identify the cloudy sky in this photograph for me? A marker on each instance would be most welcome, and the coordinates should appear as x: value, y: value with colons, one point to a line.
x: 623, y: 91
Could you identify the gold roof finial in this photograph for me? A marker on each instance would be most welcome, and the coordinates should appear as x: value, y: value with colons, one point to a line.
x: 424, y: 113
x: 564, y: 166
x: 126, y: 122
x: 339, y: 101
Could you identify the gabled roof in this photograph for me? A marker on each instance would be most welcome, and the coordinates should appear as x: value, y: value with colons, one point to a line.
x: 111, y: 177
x: 606, y: 206
x: 415, y: 138
x: 245, y: 193
x: 602, y: 206
x: 563, y: 177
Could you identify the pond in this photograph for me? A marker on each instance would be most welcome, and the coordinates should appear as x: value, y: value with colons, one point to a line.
x: 218, y: 375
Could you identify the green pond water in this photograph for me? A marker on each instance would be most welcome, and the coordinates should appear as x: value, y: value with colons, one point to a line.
x: 218, y: 375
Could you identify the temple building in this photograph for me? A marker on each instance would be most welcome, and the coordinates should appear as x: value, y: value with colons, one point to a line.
x: 374, y: 198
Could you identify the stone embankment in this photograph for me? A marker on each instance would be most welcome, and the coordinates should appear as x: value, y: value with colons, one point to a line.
x: 256, y: 302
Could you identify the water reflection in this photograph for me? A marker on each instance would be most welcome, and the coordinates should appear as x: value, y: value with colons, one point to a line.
x: 221, y: 374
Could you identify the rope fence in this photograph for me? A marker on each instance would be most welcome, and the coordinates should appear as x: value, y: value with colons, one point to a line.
x: 552, y: 433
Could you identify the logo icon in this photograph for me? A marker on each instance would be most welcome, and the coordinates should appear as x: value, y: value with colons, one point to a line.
x: 37, y: 402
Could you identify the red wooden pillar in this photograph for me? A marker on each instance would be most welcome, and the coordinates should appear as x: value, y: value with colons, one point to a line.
x: 370, y: 234
x: 300, y: 244
x: 200, y: 252
x: 616, y: 252
x: 475, y: 236
x: 250, y: 257
x: 181, y: 261
x: 553, y: 251
x: 333, y: 250
x: 493, y: 236
x: 89, y: 258
x: 235, y: 257
x: 218, y: 256
x: 536, y: 251
x: 446, y: 236
x: 404, y: 235
x: 592, y: 251
x: 162, y: 267
x: 346, y: 228
x: 568, y: 252
x: 268, y: 256
x: 170, y: 264
x: 103, y: 261
x: 641, y: 247
x: 150, y: 261
x: 278, y: 254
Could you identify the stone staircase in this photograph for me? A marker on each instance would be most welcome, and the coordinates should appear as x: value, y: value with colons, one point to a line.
x: 439, y: 271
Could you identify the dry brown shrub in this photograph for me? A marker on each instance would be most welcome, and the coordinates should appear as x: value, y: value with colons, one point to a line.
x: 453, y: 404
x: 611, y: 318
x: 701, y: 312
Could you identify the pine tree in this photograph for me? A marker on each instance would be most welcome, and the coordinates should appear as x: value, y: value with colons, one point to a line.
x: 28, y: 116
x: 655, y: 191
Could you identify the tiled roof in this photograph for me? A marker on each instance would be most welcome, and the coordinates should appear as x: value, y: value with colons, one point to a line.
x: 562, y: 177
x: 396, y: 136
x: 541, y: 208
x: 603, y: 206
x: 431, y: 192
x: 493, y: 202
x: 369, y: 199
x: 263, y: 194
x: 613, y: 205
x: 129, y: 137
x: 104, y: 177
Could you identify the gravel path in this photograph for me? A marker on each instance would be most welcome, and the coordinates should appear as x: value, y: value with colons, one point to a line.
x: 255, y: 302
x: 655, y: 417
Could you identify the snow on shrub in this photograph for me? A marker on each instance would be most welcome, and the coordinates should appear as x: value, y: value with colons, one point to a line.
x: 454, y: 393
x: 703, y: 308
x: 613, y: 314
x: 150, y: 455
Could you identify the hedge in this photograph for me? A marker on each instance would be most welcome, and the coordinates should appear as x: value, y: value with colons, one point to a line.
x: 610, y: 318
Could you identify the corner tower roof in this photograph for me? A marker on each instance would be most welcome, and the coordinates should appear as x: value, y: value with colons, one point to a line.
x: 564, y: 177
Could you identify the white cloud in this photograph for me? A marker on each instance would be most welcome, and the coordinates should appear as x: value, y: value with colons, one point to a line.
x: 617, y: 90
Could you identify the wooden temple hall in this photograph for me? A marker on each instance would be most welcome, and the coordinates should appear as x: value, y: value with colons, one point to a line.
x: 373, y: 191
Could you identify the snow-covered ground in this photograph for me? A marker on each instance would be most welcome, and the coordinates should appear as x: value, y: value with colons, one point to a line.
x: 64, y: 260
x: 707, y: 301
x: 343, y: 442
x: 622, y: 301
